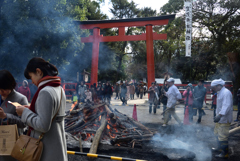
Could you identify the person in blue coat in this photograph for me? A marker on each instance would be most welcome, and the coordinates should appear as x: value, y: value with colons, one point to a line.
x: 199, y: 93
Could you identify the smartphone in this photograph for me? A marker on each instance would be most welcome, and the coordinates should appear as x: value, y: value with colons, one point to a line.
x: 14, y: 103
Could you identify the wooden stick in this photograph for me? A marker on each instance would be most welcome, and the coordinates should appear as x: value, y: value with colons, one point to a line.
x: 141, y: 126
x: 98, y: 105
x: 234, y: 131
x: 75, y: 137
x: 108, y: 110
x: 98, y: 135
x: 134, y: 122
x: 130, y: 138
x: 80, y: 143
x: 138, y: 132
x: 133, y: 144
x: 86, y: 124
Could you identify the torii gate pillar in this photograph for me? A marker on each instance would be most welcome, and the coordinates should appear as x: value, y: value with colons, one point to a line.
x: 150, y: 55
x: 95, y: 54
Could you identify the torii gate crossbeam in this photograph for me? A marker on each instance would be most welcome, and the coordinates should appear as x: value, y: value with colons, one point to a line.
x: 149, y: 36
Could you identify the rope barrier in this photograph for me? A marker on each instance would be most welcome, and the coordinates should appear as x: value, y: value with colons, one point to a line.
x: 102, y: 156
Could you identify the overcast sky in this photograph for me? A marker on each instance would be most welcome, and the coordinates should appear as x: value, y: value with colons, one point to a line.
x: 154, y: 4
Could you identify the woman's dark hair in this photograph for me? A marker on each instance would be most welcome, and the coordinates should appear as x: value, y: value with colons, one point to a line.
x: 46, y: 67
x: 7, y: 80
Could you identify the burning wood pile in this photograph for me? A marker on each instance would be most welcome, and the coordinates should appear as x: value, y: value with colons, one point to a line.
x: 90, y: 124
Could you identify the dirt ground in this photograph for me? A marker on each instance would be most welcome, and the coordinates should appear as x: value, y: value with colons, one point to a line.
x: 196, y: 138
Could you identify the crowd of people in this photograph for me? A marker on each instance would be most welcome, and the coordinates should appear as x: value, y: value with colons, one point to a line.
x: 193, y: 99
x: 168, y: 95
x: 104, y: 91
x: 126, y: 91
x: 100, y: 92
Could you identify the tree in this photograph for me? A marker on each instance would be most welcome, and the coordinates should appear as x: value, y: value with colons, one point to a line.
x: 222, y: 19
x: 137, y: 67
x: 122, y: 9
x: 173, y: 6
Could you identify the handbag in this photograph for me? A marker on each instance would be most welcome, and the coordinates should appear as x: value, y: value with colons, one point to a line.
x: 28, y: 148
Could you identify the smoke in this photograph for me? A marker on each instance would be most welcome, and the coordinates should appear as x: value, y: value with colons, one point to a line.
x: 223, y: 72
x: 37, y: 28
x: 193, y: 138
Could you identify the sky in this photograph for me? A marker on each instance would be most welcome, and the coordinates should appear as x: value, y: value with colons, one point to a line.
x: 154, y: 4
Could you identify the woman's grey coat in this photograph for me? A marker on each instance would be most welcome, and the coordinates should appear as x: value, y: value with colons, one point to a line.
x: 46, y: 106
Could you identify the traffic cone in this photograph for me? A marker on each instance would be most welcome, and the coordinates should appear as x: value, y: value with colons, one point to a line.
x: 134, y: 115
x: 186, y: 117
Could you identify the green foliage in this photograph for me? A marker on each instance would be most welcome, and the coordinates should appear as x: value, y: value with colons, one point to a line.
x: 147, y: 12
x: 122, y: 9
x: 222, y: 19
x: 173, y: 6
x: 209, y: 51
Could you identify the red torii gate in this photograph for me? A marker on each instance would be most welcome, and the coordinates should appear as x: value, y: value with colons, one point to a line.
x: 149, y: 36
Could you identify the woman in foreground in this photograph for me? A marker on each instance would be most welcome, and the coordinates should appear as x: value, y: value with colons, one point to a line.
x: 49, y: 100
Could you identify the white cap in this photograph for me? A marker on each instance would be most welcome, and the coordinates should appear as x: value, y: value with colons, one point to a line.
x: 25, y: 81
x: 217, y: 82
x: 170, y: 80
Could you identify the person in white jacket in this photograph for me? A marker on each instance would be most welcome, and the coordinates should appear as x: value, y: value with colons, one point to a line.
x: 224, y: 116
x: 173, y: 95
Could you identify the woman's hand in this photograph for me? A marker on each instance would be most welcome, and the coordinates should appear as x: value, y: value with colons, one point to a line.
x: 19, y: 109
x: 2, y: 114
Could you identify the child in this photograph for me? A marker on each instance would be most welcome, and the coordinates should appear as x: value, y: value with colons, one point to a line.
x: 75, y: 97
x: 88, y: 94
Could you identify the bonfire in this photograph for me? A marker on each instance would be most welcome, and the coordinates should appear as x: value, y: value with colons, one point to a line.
x: 93, y: 123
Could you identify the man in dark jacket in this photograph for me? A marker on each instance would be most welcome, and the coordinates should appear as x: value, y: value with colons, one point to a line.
x: 238, y: 114
x: 137, y: 90
x: 141, y: 91
x: 199, y: 93
x: 117, y: 89
x: 123, y: 93
x: 164, y: 98
x: 153, y: 97
x: 108, y: 92
x: 99, y: 91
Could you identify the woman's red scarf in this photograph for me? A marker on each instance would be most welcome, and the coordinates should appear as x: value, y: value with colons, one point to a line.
x: 54, y: 81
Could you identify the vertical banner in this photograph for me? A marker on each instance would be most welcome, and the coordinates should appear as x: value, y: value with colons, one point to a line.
x: 188, y: 23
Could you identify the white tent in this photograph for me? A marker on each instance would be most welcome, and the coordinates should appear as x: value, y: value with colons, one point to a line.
x: 161, y: 80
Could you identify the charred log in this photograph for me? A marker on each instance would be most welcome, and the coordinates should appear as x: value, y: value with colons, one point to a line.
x: 98, y: 134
